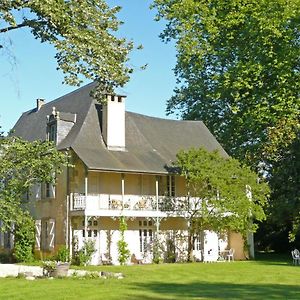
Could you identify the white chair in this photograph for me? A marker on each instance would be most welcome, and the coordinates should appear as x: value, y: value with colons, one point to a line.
x: 296, y: 257
x: 230, y: 255
x: 105, y: 259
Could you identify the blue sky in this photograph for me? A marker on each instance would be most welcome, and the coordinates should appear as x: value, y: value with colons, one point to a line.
x: 33, y: 75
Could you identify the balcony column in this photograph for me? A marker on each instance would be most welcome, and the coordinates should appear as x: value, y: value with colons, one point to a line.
x: 85, y: 229
x: 157, y: 207
x: 86, y: 184
x: 123, y: 188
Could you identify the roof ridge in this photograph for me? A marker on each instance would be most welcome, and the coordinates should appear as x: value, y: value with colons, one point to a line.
x: 161, y: 118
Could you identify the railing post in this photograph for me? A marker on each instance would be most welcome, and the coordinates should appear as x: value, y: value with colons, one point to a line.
x: 71, y: 201
x: 85, y: 187
x: 123, y: 188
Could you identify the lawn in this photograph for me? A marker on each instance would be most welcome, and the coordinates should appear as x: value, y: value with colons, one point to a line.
x: 262, y: 279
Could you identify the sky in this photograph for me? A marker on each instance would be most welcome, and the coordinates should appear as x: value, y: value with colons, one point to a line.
x: 30, y: 73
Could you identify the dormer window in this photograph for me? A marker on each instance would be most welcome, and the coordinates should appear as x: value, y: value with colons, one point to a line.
x: 52, y: 126
x: 52, y: 132
x: 59, y: 124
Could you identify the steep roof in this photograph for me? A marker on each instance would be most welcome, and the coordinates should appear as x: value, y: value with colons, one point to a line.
x: 151, y: 143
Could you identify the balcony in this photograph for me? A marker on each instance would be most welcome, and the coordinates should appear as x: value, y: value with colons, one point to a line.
x: 129, y: 205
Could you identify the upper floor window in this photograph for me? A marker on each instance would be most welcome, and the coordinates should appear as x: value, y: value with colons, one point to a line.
x: 171, y: 185
x: 52, y: 132
x: 48, y: 190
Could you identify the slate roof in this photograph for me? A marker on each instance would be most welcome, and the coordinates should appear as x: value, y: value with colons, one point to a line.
x: 151, y: 143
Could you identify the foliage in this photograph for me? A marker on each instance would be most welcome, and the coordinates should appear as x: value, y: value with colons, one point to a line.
x: 49, y: 266
x: 237, y: 68
x: 83, y: 256
x: 122, y: 245
x: 82, y: 34
x: 221, y: 194
x: 158, y: 250
x: 23, y: 164
x: 24, y: 238
x: 170, y: 254
x: 285, y: 197
x: 63, y: 254
x: 5, y: 258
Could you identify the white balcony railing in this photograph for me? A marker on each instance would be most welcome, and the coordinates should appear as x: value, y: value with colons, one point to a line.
x: 128, y: 202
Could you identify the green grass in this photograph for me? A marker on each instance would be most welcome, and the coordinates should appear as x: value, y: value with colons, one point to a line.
x: 270, y: 277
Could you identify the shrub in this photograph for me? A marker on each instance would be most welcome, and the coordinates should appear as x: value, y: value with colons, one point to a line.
x: 122, y: 245
x: 5, y: 258
x: 63, y: 254
x: 84, y: 255
x: 24, y: 239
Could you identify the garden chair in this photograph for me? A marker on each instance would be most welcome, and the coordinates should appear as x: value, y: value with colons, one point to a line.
x: 296, y: 257
x: 230, y: 255
x: 105, y: 259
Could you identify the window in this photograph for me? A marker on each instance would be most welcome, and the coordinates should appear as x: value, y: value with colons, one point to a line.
x: 44, y: 235
x: 52, y: 132
x: 171, y: 186
x: 90, y: 233
x: 145, y: 236
x: 48, y: 190
x: 197, y: 244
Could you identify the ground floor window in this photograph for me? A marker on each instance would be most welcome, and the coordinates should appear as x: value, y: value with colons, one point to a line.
x: 145, y: 235
x: 90, y: 233
x: 197, y: 243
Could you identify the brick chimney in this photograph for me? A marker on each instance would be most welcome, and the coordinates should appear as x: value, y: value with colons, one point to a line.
x: 39, y: 103
x: 113, y: 122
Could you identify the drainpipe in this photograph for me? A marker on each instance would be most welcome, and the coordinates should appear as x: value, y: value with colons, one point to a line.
x: 68, y: 222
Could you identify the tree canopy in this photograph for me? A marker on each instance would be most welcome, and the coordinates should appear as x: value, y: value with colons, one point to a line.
x: 221, y: 193
x: 23, y: 164
x: 82, y: 33
x: 237, y: 68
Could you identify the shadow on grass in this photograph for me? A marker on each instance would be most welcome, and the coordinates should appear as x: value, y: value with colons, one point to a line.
x: 274, y: 259
x: 208, y: 290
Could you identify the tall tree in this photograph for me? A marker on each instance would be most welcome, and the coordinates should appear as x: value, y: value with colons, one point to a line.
x: 237, y: 67
x: 22, y: 165
x: 221, y: 194
x: 82, y: 33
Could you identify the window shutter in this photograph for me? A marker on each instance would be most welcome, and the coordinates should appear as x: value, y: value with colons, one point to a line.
x: 38, y: 227
x: 51, y: 234
x: 52, y: 191
x: 38, y: 190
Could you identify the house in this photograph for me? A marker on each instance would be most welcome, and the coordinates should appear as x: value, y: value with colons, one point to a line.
x: 120, y: 167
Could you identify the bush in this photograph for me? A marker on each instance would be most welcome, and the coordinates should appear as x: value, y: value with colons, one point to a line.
x: 63, y: 254
x: 24, y: 239
x: 84, y: 255
x: 158, y: 251
x: 5, y: 258
x: 123, y: 250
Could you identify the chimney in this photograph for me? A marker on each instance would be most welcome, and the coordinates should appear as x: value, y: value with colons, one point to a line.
x: 113, y: 122
x: 39, y: 103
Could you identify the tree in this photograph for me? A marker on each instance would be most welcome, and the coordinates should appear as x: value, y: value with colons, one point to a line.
x: 237, y: 68
x: 82, y: 33
x: 221, y: 195
x: 285, y: 182
x: 23, y: 164
x: 123, y: 250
